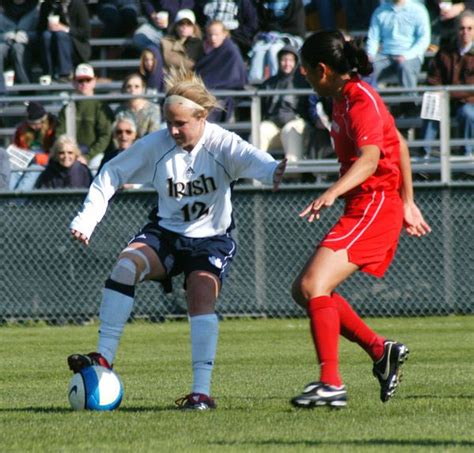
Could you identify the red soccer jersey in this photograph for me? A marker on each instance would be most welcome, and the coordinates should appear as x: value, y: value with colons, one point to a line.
x: 361, y: 118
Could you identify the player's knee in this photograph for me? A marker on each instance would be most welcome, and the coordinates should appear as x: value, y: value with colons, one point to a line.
x: 124, y: 271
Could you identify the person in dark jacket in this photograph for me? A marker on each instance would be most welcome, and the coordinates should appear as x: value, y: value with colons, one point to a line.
x: 239, y: 17
x: 65, y: 31
x: 285, y: 115
x: 453, y: 64
x: 64, y: 169
x: 18, y: 22
x: 221, y: 68
x: 281, y: 22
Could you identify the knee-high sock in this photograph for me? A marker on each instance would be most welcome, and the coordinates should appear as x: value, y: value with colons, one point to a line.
x: 117, y: 304
x: 204, y: 333
x: 355, y: 329
x: 324, y: 319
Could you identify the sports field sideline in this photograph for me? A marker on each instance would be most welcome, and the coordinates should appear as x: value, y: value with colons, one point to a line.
x: 260, y: 365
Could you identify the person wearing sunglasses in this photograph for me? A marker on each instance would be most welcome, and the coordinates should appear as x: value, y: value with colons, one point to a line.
x: 453, y: 64
x: 124, y: 134
x: 93, y: 118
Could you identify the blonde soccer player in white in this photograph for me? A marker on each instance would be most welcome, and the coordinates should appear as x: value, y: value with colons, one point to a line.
x: 192, y: 164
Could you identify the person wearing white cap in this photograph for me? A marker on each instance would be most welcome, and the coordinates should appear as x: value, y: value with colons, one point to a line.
x: 93, y: 118
x: 193, y: 165
x: 183, y: 45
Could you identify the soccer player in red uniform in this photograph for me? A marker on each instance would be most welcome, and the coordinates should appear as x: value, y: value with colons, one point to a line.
x: 376, y: 184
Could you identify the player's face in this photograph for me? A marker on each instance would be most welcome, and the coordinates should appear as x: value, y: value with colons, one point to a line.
x: 319, y: 78
x: 185, y: 128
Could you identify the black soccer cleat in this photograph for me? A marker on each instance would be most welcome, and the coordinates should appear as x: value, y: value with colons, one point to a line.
x: 196, y: 401
x: 388, y: 370
x: 318, y: 394
x: 77, y: 362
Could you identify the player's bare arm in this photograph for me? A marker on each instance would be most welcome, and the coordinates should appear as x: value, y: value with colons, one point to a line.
x: 415, y: 224
x: 364, y: 167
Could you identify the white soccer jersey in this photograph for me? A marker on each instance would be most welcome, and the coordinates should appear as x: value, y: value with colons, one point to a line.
x: 194, y: 195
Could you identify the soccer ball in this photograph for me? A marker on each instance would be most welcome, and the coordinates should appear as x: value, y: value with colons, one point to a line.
x: 95, y: 388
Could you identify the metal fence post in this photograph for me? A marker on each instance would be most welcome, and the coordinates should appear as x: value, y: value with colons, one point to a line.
x: 444, y: 136
x: 256, y: 118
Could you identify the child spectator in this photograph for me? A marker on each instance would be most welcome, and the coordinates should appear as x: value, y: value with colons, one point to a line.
x: 221, y: 68
x: 18, y: 23
x: 64, y: 170
x: 118, y: 16
x: 145, y: 114
x: 151, y: 69
x: 64, y: 28
x: 183, y: 45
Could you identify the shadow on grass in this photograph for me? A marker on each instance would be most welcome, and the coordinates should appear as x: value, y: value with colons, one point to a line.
x: 354, y: 443
x: 66, y: 410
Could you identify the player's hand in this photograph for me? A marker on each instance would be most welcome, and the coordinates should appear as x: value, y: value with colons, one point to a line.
x: 413, y: 221
x: 278, y: 174
x: 326, y: 200
x: 78, y: 236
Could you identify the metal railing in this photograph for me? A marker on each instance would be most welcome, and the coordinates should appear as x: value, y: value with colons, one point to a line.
x: 392, y: 96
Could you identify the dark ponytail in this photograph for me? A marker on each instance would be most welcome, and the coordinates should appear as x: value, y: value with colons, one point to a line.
x: 331, y: 48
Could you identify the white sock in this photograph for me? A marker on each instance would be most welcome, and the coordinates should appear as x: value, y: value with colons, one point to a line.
x: 114, y: 313
x: 204, y: 332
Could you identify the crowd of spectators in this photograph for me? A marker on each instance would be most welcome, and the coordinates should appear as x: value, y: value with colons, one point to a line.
x: 231, y: 45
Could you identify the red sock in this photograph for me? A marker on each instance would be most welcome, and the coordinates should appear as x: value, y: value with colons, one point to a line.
x: 324, y: 319
x: 355, y: 329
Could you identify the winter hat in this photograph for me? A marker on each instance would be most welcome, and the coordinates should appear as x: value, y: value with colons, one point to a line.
x: 35, y: 112
x: 288, y: 49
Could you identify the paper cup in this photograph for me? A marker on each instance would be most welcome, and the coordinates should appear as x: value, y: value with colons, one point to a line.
x: 45, y: 80
x: 9, y: 77
x: 53, y: 19
x: 163, y: 17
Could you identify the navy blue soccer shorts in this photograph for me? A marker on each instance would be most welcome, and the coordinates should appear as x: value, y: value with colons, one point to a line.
x: 180, y: 254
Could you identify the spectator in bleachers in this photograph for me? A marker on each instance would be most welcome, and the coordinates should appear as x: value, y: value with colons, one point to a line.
x: 221, y: 68
x: 64, y: 28
x: 453, y: 64
x: 444, y: 19
x: 160, y: 14
x: 93, y: 118
x: 18, y: 23
x: 120, y: 17
x: 36, y: 134
x: 398, y: 37
x: 144, y: 113
x: 281, y: 22
x: 64, y: 170
x: 5, y: 170
x: 151, y: 68
x: 285, y: 116
x: 239, y: 17
x: 124, y: 134
x: 183, y: 46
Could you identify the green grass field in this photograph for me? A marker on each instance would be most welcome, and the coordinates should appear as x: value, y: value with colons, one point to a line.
x: 261, y: 364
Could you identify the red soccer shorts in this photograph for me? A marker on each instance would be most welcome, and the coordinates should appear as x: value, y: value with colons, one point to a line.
x: 369, y: 230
